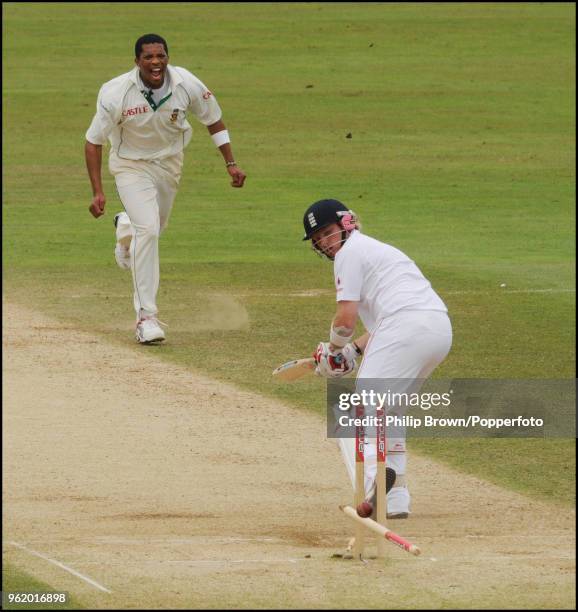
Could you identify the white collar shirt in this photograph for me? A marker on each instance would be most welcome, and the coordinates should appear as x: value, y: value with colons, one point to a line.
x: 139, y: 130
x: 158, y: 94
x: 382, y: 279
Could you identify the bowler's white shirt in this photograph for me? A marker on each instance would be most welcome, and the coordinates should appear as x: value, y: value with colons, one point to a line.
x: 135, y: 130
x: 382, y: 279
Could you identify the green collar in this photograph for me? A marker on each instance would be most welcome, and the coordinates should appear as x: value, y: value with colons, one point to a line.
x: 150, y: 100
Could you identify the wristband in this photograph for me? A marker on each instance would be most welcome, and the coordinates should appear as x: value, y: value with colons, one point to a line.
x: 231, y: 163
x: 221, y: 138
x: 337, y: 340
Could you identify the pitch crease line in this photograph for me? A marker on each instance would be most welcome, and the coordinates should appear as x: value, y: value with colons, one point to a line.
x: 62, y: 566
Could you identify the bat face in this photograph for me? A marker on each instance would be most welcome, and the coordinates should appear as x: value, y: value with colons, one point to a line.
x: 293, y: 370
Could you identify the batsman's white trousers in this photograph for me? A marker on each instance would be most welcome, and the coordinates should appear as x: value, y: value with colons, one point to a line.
x: 407, y: 346
x: 147, y: 190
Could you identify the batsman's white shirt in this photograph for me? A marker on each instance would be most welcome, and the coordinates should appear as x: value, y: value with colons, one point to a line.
x: 410, y: 335
x: 382, y: 279
x: 135, y: 130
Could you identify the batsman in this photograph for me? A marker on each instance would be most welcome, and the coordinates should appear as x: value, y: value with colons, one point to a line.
x: 408, y: 331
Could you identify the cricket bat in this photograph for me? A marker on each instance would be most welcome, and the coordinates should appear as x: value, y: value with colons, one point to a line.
x: 295, y: 369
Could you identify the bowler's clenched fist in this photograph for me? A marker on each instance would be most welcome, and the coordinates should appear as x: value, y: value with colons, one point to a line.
x: 237, y: 175
x: 97, y: 207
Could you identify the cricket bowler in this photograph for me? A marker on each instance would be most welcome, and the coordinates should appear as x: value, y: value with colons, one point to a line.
x: 408, y: 331
x: 143, y: 113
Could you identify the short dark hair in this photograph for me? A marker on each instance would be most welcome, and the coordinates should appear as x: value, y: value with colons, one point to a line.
x: 148, y: 39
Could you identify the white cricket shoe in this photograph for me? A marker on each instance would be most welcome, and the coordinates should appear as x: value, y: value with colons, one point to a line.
x: 398, y: 501
x: 122, y: 256
x: 397, y: 515
x: 148, y: 330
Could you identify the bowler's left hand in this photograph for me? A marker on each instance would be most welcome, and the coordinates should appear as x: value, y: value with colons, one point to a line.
x: 237, y: 175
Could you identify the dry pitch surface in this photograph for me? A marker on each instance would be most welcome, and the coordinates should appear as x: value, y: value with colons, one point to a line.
x: 171, y: 490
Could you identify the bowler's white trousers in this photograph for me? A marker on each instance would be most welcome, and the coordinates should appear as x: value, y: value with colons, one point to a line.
x: 147, y: 190
x: 407, y: 347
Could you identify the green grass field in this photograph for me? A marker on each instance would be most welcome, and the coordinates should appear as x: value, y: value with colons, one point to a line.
x: 461, y: 154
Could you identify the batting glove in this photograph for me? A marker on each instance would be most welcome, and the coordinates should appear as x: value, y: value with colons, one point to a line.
x: 331, y: 364
x: 350, y: 351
